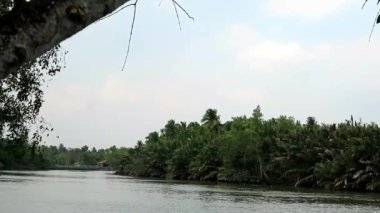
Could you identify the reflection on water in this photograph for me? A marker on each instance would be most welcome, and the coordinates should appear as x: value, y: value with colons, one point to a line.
x: 41, y: 174
x: 100, y: 191
x: 10, y: 180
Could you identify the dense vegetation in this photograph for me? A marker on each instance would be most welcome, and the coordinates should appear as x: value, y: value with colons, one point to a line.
x: 14, y: 156
x: 279, y: 151
x: 21, y: 98
x: 62, y: 156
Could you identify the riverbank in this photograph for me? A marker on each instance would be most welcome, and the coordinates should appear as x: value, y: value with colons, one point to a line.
x: 250, y: 181
x: 63, y: 168
x: 276, y: 151
x: 83, y: 168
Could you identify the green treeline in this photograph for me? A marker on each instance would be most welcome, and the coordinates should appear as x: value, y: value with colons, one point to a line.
x: 61, y: 156
x: 20, y: 155
x: 278, y: 151
x: 24, y: 155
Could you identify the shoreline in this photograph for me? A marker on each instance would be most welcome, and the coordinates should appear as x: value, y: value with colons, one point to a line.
x: 282, y: 187
x: 232, y: 183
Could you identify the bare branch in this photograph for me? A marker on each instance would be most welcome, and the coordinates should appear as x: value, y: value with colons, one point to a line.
x: 175, y: 4
x: 365, y: 2
x: 114, y: 13
x: 176, y: 12
x: 130, y: 33
x: 374, y: 24
x: 183, y: 10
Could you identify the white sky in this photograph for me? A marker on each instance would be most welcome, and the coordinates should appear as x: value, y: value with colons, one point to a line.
x: 293, y: 57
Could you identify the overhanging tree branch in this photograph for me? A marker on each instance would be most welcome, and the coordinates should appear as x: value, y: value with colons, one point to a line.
x: 25, y: 34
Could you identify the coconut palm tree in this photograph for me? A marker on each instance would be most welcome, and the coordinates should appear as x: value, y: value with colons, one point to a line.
x: 211, y: 120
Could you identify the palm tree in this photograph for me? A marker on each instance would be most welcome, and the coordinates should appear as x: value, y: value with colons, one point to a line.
x: 169, y: 131
x: 211, y: 120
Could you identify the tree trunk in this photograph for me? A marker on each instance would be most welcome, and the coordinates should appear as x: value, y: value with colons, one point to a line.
x: 27, y: 33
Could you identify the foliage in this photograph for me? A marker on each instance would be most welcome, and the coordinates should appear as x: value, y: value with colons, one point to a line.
x: 21, y: 97
x: 20, y: 156
x: 278, y: 151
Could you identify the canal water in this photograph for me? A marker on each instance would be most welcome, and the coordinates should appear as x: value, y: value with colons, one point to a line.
x: 101, y: 191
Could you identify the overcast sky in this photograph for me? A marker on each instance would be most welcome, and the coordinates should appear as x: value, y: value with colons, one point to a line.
x: 293, y: 57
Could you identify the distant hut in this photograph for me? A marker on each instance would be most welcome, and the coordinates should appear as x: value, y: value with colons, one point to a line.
x: 103, y: 164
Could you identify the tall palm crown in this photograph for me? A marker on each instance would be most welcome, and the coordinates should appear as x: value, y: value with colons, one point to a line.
x: 211, y: 119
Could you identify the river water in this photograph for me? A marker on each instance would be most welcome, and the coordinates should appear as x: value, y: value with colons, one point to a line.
x: 100, y: 191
